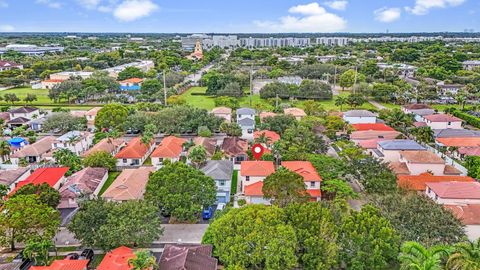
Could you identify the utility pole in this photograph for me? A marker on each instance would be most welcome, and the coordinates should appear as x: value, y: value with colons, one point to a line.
x: 251, y: 84
x: 164, y: 88
x: 276, y: 101
x: 355, y: 81
x: 335, y: 78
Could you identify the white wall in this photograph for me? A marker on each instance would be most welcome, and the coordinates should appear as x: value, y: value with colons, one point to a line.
x: 253, y: 179
x: 432, y: 195
x: 444, y: 125
x: 419, y: 168
x: 360, y: 120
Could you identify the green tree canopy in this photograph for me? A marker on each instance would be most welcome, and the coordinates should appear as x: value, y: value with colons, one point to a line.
x: 285, y: 187
x: 111, y: 116
x: 44, y: 193
x: 100, y: 159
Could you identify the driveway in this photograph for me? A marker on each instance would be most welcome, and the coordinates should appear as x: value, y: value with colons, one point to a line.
x: 182, y: 233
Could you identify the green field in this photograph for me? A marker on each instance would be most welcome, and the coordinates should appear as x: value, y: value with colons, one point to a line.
x: 111, y: 177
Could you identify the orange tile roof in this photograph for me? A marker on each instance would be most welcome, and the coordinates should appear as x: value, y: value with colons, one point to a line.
x: 376, y: 127
x: 257, y: 168
x: 254, y: 189
x: 170, y: 147
x: 369, y: 144
x: 374, y: 134
x: 132, y: 80
x: 456, y: 190
x: 50, y: 176
x: 106, y: 145
x: 417, y: 182
x: 460, y: 142
x: 442, y: 118
x: 117, y: 259
x: 468, y: 214
x: 424, y: 157
x: 134, y: 149
x: 64, y: 265
x: 314, y: 193
x: 297, y: 112
x: 264, y: 115
x: 303, y: 168
x: 272, y: 135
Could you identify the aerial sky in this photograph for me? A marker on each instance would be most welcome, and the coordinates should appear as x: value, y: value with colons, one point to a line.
x: 239, y: 16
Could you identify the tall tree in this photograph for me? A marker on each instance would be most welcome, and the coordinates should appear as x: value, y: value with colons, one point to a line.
x: 100, y: 159
x: 143, y: 260
x: 111, y: 116
x: 285, y: 187
x: 43, y: 192
x: 414, y: 256
x: 38, y: 251
x: 67, y: 158
x: 5, y: 150
x: 197, y: 155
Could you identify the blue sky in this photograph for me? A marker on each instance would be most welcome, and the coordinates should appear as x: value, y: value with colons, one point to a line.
x: 246, y: 16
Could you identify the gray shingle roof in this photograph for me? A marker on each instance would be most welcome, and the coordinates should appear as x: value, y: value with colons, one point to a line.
x: 25, y: 109
x: 246, y: 122
x: 245, y: 111
x: 359, y: 113
x: 400, y: 145
x: 218, y: 169
x: 423, y: 112
x: 455, y: 133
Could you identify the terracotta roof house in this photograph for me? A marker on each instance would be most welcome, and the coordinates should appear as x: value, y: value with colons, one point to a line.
x: 454, y: 193
x: 372, y: 127
x: 7, y: 65
x: 359, y: 117
x: 210, y: 145
x: 369, y: 145
x: 221, y: 171
x: 129, y: 185
x: 295, y: 112
x: 34, y: 152
x: 64, y: 265
x: 418, y: 182
x: 91, y: 115
x: 235, y: 149
x: 374, y: 134
x: 191, y: 257
x: 223, y: 112
x: 170, y: 147
x: 131, y: 84
x: 134, y: 153
x: 468, y: 151
x: 117, y: 259
x: 10, y: 178
x: 86, y: 182
x: 443, y: 121
x: 469, y: 215
x: 389, y: 150
x: 272, y: 136
x: 408, y: 108
x: 111, y: 146
x: 419, y: 162
x: 54, y: 177
x: 459, y: 142
x: 264, y: 115
x: 310, y: 176
x: 252, y: 172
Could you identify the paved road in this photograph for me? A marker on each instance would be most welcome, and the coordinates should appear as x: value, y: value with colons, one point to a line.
x: 377, y: 105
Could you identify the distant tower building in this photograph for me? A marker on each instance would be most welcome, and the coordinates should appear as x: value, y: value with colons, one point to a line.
x: 197, y: 53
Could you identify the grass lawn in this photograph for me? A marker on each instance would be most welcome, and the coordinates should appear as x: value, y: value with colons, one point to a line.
x: 233, y: 189
x: 111, y: 177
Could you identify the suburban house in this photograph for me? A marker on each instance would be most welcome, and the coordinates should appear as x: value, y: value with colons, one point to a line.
x: 418, y: 162
x: 454, y: 193
x: 455, y: 133
x: 418, y: 182
x: 367, y: 135
x: 372, y: 127
x: 85, y: 183
x: 310, y: 176
x: 469, y: 215
x: 270, y: 136
x: 264, y: 115
x: 390, y: 150
x: 66, y: 264
x: 134, y: 153
x: 131, y: 84
x: 117, y: 259
x: 17, y: 143
x: 448, y: 91
x: 210, y: 145
x: 235, y: 149
x: 75, y: 141
x: 54, y: 177
x: 221, y: 171
x: 418, y: 110
x: 7, y: 65
x: 170, y: 148
x: 295, y: 112
x: 37, y: 124
x: 129, y: 185
x: 26, y: 112
x: 11, y: 177
x: 469, y: 146
x: 181, y: 256
x: 246, y: 121
x: 359, y: 117
x: 443, y: 121
x: 90, y: 115
x: 251, y: 176
x: 111, y: 146
x: 34, y: 152
x: 50, y: 83
x: 223, y: 112
x: 18, y: 122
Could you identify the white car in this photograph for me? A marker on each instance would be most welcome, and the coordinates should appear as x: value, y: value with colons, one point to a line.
x: 221, y: 206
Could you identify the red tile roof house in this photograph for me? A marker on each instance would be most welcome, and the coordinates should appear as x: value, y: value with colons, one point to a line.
x: 90, y: 115
x: 54, y: 177
x: 443, y: 121
x: 469, y: 215
x: 271, y: 136
x: 310, y: 176
x: 368, y: 135
x: 418, y: 182
x: 111, y: 146
x: 117, y: 259
x: 454, y: 193
x: 469, y: 146
x: 135, y: 153
x: 129, y: 185
x: 419, y: 162
x: 250, y: 178
x: 85, y: 183
x: 223, y: 112
x: 171, y: 148
x: 64, y: 265
x: 34, y: 152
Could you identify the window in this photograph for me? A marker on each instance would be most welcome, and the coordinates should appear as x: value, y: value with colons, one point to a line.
x: 55, y: 145
x: 247, y: 178
x: 312, y: 184
x: 124, y: 160
x: 221, y: 183
x: 250, y: 131
x: 135, y: 162
x: 449, y: 123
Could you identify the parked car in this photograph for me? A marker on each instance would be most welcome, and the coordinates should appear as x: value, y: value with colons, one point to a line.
x: 72, y: 256
x: 26, y: 263
x: 207, y: 213
x: 221, y: 206
x: 87, y: 254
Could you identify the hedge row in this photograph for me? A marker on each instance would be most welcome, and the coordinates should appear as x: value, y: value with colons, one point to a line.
x: 470, y: 119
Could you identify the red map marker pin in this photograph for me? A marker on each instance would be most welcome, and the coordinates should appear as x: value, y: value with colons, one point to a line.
x: 257, y: 151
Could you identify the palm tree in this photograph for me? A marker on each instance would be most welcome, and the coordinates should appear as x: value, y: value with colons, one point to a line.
x: 399, y: 120
x: 424, y: 134
x: 340, y: 101
x: 4, y: 150
x: 414, y: 256
x: 263, y: 139
x: 143, y: 260
x: 466, y: 256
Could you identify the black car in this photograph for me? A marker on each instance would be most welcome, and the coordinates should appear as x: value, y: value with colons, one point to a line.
x: 25, y: 262
x: 87, y: 254
x: 71, y: 256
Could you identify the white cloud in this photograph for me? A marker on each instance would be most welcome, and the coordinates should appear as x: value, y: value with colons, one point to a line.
x: 312, y: 18
x: 387, y: 15
x: 6, y: 28
x: 3, y: 4
x: 422, y: 7
x: 131, y: 10
x: 50, y: 3
x: 89, y: 4
x: 338, y: 4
